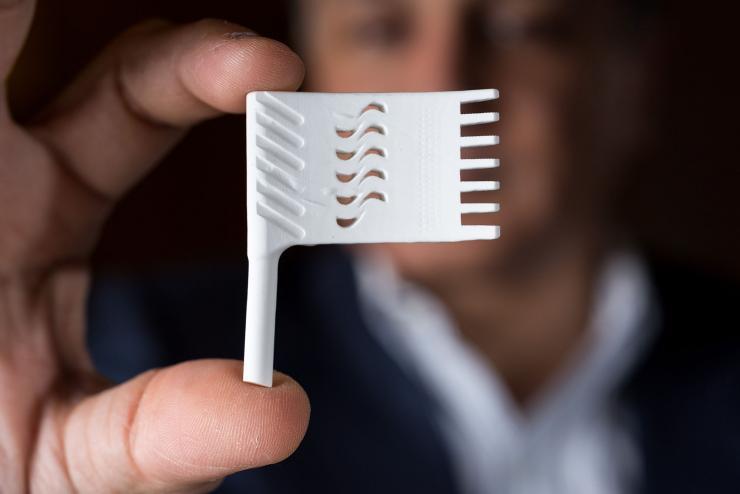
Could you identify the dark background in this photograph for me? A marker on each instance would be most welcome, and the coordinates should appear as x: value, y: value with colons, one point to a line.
x: 682, y: 201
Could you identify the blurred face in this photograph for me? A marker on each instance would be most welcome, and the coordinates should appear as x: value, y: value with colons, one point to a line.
x: 538, y: 53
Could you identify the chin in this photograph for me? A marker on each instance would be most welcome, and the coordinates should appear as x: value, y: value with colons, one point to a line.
x: 449, y: 261
x: 426, y: 262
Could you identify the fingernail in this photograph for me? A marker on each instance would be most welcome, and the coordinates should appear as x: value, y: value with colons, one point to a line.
x: 236, y: 35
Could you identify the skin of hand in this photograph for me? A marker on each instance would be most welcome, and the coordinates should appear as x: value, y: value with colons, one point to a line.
x: 62, y: 427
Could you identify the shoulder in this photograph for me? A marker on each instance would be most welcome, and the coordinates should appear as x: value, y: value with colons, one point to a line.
x: 685, y: 393
x: 698, y: 312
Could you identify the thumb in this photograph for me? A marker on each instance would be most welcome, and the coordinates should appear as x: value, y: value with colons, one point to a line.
x: 182, y: 428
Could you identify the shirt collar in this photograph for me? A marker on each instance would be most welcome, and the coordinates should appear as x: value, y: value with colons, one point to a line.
x: 488, y: 435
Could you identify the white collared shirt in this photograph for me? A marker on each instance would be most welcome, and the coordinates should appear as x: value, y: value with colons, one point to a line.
x: 572, y: 439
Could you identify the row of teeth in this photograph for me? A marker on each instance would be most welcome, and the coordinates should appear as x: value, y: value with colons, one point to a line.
x: 479, y: 163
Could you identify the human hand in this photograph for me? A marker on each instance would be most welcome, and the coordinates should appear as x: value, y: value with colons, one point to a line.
x: 62, y: 428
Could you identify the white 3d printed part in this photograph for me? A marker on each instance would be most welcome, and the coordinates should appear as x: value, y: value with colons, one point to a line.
x: 352, y: 168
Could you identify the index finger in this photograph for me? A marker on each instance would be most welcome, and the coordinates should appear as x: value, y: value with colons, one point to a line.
x: 133, y: 103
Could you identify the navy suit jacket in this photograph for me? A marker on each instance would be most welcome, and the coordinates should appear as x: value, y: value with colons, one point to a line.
x: 372, y: 427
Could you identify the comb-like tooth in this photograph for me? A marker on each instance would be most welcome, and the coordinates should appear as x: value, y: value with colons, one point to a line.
x: 479, y: 207
x: 478, y: 118
x: 478, y: 163
x: 479, y: 232
x: 476, y: 141
x: 478, y: 95
x: 479, y: 186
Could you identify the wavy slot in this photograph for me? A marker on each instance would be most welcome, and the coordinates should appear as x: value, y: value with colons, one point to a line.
x: 353, y: 207
x: 360, y: 131
x: 351, y: 171
x: 346, y: 222
x: 348, y: 155
x: 349, y: 177
x: 374, y: 173
x: 378, y: 196
x: 374, y: 106
x: 348, y: 200
x: 376, y: 151
x: 345, y: 178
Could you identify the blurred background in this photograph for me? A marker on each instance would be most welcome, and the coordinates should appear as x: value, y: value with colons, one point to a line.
x: 680, y: 200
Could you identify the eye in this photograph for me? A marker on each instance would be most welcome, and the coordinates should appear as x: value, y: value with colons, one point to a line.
x: 381, y: 32
x: 550, y: 29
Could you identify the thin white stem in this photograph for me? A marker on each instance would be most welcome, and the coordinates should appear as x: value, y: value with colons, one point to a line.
x: 259, y: 336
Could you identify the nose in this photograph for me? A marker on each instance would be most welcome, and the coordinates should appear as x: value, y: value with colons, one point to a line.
x: 436, y: 61
x: 476, y: 59
x: 449, y: 52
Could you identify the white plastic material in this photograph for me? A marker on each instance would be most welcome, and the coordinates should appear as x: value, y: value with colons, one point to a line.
x: 352, y: 168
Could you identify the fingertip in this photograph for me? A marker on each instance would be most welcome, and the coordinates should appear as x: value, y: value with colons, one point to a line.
x: 200, y: 414
x: 298, y: 406
x: 231, y: 61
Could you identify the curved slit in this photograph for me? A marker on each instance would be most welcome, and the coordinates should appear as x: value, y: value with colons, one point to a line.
x: 348, y: 155
x: 346, y: 200
x: 379, y: 196
x: 374, y: 173
x: 374, y: 129
x: 347, y: 133
x: 348, y: 177
x: 346, y: 222
x: 373, y: 151
x: 373, y: 106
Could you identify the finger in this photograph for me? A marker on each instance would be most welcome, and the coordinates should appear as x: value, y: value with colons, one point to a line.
x: 15, y: 19
x: 131, y: 105
x: 182, y: 428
